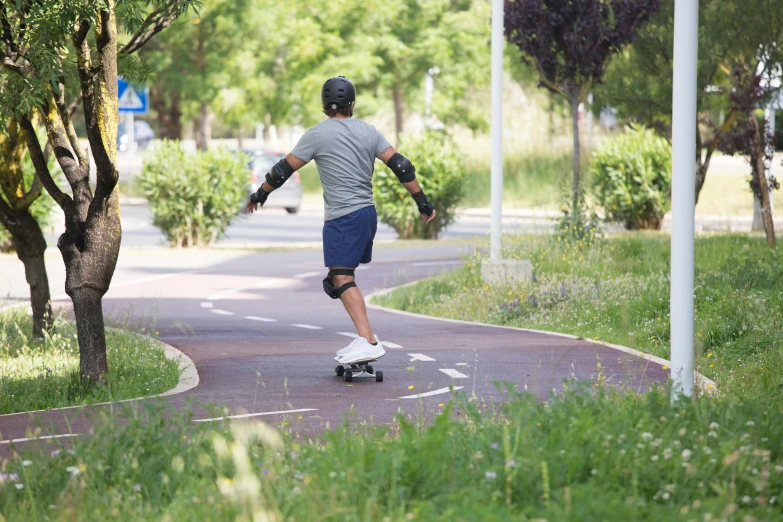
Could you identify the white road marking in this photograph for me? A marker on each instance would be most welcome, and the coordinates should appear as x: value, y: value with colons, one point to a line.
x: 307, y: 326
x: 306, y: 275
x: 221, y: 312
x: 431, y: 393
x: 462, y: 364
x: 40, y: 438
x: 207, y: 304
x: 348, y: 334
x: 387, y: 344
x: 420, y: 357
x: 246, y: 415
x: 262, y: 319
x: 215, y: 297
x: 454, y: 374
x: 437, y: 263
x: 362, y: 268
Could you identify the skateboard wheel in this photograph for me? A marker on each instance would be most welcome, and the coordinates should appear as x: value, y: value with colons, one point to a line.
x: 348, y: 377
x: 379, y: 377
x: 369, y: 369
x: 339, y: 371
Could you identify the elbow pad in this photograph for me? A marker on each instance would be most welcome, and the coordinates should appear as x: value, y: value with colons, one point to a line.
x: 402, y: 168
x: 279, y: 174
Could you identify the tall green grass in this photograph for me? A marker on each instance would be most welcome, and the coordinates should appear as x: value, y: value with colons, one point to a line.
x: 617, y: 290
x: 44, y: 374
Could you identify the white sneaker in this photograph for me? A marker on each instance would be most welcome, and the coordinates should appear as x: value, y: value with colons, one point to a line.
x: 348, y: 349
x: 363, y: 351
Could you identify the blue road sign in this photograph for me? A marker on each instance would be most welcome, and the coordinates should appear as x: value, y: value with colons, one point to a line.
x: 132, y: 98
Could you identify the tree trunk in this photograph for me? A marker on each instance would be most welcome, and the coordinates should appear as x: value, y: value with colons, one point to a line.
x: 203, y: 131
x: 551, y: 118
x: 398, y: 123
x: 90, y: 330
x: 169, y: 115
x: 757, y: 160
x: 577, y: 159
x: 30, y: 246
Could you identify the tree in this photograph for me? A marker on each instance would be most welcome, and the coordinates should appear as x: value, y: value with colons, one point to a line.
x: 44, y: 45
x: 16, y: 216
x: 638, y: 83
x: 570, y: 43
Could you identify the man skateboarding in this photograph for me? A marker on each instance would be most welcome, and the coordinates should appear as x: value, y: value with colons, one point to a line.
x: 344, y: 150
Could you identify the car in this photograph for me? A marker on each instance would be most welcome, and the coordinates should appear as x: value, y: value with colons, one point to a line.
x: 142, y: 135
x: 289, y: 196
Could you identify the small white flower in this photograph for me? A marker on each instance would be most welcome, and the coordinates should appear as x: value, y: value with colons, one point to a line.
x: 54, y: 453
x: 26, y: 463
x: 666, y: 495
x: 686, y: 454
x: 647, y: 435
x: 667, y: 453
x: 713, y: 435
x: 594, y: 472
x: 332, y: 474
x: 73, y: 470
x: 19, y: 486
x: 494, y: 445
x: 746, y: 499
x: 491, y: 475
x: 511, y: 463
x: 779, y: 468
x: 750, y: 423
x: 714, y: 425
x: 137, y: 487
x: 654, y: 458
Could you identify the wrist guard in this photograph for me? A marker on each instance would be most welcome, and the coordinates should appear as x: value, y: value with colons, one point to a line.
x: 402, y: 168
x: 259, y: 197
x: 425, y: 207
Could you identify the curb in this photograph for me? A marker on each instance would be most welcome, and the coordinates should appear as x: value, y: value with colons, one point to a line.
x: 188, y: 378
x: 707, y: 386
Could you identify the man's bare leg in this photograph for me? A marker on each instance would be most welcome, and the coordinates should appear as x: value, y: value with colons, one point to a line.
x: 353, y: 301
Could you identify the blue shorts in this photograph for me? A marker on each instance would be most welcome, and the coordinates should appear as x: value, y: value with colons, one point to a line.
x: 348, y: 239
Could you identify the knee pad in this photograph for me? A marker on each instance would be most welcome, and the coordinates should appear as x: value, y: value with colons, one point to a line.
x: 333, y: 291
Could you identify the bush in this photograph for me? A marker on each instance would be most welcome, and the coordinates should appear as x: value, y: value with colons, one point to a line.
x: 632, y: 178
x: 439, y: 170
x: 193, y: 197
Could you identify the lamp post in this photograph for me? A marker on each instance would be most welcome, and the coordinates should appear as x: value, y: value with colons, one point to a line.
x: 686, y: 39
x: 496, y: 134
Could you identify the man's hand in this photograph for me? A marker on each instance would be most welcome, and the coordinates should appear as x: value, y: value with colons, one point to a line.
x: 251, y: 207
x: 428, y: 219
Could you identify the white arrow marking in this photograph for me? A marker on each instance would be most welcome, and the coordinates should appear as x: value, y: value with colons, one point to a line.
x: 246, y: 415
x: 206, y: 304
x: 262, y: 319
x: 420, y: 357
x: 221, y: 312
x: 307, y: 326
x: 306, y: 275
x: 431, y: 393
x: 454, y: 374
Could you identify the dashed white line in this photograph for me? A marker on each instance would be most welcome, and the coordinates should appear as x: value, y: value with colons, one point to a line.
x: 215, y: 297
x: 207, y: 304
x: 246, y: 415
x: 221, y: 312
x: 462, y: 364
x: 40, y: 438
x: 420, y: 357
x: 387, y: 344
x: 306, y: 275
x: 307, y: 326
x: 433, y: 392
x: 454, y: 374
x: 348, y: 334
x: 262, y: 319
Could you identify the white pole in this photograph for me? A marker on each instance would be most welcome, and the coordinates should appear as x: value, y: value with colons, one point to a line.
x: 769, y: 117
x: 686, y: 39
x: 497, y: 129
x: 130, y: 131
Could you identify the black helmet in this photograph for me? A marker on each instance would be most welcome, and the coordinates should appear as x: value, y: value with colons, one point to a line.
x: 338, y: 91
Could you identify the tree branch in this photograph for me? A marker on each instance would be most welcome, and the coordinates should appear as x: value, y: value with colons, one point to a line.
x: 65, y: 116
x: 42, y: 168
x: 155, y: 22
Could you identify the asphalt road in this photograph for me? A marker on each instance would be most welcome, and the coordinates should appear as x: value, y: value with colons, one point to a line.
x: 263, y: 335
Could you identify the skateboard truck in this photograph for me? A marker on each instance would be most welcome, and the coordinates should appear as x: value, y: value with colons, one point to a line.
x: 360, y: 370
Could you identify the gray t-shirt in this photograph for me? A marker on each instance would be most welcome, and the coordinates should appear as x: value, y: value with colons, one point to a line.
x: 344, y: 151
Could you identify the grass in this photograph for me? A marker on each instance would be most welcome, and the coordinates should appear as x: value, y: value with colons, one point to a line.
x: 44, y: 374
x: 617, y: 290
x: 585, y: 455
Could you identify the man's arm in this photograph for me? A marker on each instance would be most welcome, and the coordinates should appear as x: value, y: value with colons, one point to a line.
x: 425, y: 207
x: 278, y: 175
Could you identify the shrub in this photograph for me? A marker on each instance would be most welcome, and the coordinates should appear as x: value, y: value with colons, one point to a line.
x: 632, y: 178
x: 439, y: 170
x: 193, y: 197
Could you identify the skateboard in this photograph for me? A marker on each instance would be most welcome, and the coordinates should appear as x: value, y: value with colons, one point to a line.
x: 358, y: 370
